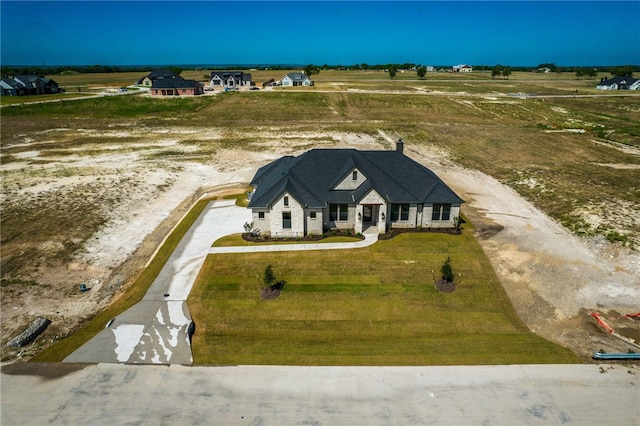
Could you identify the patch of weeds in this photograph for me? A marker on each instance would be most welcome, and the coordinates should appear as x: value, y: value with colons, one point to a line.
x: 614, y: 236
x: 6, y: 282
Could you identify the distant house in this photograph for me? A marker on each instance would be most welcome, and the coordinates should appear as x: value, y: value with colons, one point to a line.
x: 10, y: 87
x: 462, y: 68
x: 21, y: 85
x: 230, y: 79
x: 619, y: 83
x: 365, y: 191
x: 294, y: 79
x: 159, y: 74
x: 176, y: 86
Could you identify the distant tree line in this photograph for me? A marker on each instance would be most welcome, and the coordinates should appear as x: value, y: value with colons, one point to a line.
x: 588, y: 71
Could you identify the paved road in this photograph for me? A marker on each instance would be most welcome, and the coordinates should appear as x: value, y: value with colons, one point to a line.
x: 112, y: 394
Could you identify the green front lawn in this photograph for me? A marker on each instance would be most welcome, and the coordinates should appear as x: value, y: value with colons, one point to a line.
x: 371, y: 306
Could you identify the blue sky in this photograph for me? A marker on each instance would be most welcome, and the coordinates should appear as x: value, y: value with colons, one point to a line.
x: 332, y: 32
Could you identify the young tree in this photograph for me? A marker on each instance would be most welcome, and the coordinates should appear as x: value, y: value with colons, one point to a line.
x: 422, y: 71
x: 447, y: 271
x: 506, y: 72
x: 269, y: 279
x: 392, y: 71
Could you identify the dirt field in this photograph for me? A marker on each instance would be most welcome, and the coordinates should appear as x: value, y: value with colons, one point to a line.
x: 553, y: 278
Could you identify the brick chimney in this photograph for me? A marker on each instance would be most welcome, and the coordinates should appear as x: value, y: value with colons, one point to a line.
x: 400, y: 146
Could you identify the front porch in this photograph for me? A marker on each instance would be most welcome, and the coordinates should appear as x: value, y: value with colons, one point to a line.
x: 370, y: 219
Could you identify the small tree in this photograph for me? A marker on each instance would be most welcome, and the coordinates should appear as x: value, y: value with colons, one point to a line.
x: 269, y: 279
x: 496, y: 71
x: 392, y: 71
x: 446, y: 271
x: 422, y: 71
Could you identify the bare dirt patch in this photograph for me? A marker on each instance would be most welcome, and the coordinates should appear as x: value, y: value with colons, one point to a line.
x: 445, y: 286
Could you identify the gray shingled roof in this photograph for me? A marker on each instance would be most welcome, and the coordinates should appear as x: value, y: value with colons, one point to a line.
x: 297, y: 76
x: 618, y: 80
x: 310, y: 177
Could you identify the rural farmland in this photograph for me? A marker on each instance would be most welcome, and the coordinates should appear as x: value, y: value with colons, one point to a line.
x: 91, y: 187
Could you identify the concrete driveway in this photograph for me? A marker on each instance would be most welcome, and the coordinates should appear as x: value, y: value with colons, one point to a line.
x: 112, y: 394
x: 156, y: 330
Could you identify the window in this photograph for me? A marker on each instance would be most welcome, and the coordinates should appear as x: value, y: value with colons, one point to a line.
x: 286, y: 201
x: 286, y: 220
x: 399, y: 212
x: 354, y: 175
x: 338, y: 212
x: 441, y: 212
x: 312, y: 215
x: 260, y: 215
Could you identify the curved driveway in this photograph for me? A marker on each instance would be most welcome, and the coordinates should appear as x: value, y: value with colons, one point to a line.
x: 156, y: 329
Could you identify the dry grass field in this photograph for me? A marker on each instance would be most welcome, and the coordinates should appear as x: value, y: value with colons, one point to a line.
x: 90, y: 187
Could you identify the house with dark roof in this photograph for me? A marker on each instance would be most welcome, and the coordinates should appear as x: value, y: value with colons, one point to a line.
x: 230, y: 79
x: 28, y: 85
x: 158, y: 74
x: 619, y: 83
x: 176, y: 86
x: 365, y: 191
x: 10, y: 87
x: 295, y: 79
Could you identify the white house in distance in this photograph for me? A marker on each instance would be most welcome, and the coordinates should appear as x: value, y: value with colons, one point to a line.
x: 230, y: 79
x: 365, y: 191
x: 462, y: 68
x: 619, y: 83
x: 295, y: 79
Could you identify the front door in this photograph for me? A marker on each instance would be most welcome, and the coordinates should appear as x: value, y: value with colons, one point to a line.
x: 367, y: 213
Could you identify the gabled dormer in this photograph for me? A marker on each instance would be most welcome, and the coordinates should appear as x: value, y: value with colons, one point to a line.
x: 351, y: 180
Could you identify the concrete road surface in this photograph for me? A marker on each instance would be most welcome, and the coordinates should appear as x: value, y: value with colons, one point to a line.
x: 116, y: 394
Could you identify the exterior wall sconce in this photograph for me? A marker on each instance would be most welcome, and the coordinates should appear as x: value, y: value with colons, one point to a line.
x: 359, y: 217
x: 383, y: 216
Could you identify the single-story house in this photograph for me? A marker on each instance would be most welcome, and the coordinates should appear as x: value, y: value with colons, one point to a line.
x: 230, y: 79
x: 619, y: 83
x: 154, y: 75
x: 20, y: 85
x: 295, y: 79
x: 462, y: 68
x: 176, y: 87
x: 364, y: 191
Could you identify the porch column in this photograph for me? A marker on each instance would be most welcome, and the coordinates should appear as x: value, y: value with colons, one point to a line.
x: 358, y: 227
x: 382, y: 219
